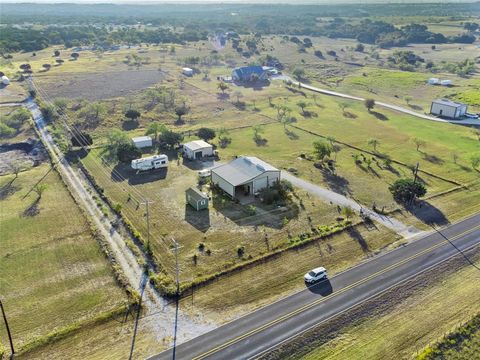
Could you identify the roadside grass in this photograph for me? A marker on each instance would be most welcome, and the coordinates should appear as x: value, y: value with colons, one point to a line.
x: 407, y: 327
x: 53, y: 273
x: 461, y: 344
x: 109, y: 340
x: 232, y: 295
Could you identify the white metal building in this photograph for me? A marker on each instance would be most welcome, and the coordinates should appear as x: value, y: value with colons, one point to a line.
x: 187, y: 71
x: 245, y: 175
x: 433, y: 81
x: 142, y: 142
x: 197, y: 149
x: 5, y: 80
x: 448, y: 109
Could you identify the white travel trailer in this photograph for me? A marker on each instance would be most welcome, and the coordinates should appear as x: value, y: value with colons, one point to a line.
x: 151, y: 162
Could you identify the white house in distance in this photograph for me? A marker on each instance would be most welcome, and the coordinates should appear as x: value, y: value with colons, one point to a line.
x: 448, y: 109
x: 141, y: 142
x: 187, y: 71
x: 5, y: 80
x: 245, y: 175
x: 197, y: 149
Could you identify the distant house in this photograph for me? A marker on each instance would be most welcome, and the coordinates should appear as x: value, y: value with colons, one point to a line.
x: 187, y: 71
x: 196, y: 199
x: 245, y: 175
x: 433, y: 81
x: 142, y: 142
x: 5, y: 80
x: 197, y: 149
x: 249, y: 74
x: 448, y: 109
x: 446, y: 83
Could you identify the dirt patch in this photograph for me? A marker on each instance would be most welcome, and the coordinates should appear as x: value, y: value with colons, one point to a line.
x: 98, y: 86
x: 376, y: 307
x: 22, y: 154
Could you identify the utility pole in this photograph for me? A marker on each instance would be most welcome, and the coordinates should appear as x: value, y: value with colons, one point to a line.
x: 177, y: 275
x: 415, y: 177
x: 8, y: 330
x: 147, y: 202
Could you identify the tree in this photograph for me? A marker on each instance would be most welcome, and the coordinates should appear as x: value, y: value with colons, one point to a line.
x: 418, y: 143
x: 360, y: 47
x: 155, y: 128
x: 298, y: 73
x: 56, y: 53
x: 475, y: 161
x: 257, y: 130
x: 132, y: 114
x: 81, y: 139
x: 60, y: 104
x: 238, y: 95
x: 222, y: 87
x: 369, y: 104
x: 46, y: 66
x: 408, y: 98
x: 223, y: 138
x: 406, y: 190
x: 127, y: 152
x: 115, y: 139
x: 455, y: 157
x: 171, y: 138
x: 75, y: 55
x: 302, y: 105
x: 49, y: 112
x: 26, y: 68
x: 59, y: 61
x: 180, y: 111
x: 39, y: 189
x: 93, y: 112
x: 374, y: 143
x: 206, y: 134
x: 348, y: 212
x: 322, y: 149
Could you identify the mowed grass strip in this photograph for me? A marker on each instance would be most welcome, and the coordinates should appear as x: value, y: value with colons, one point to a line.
x: 52, y: 271
x: 410, y: 325
x: 283, y: 274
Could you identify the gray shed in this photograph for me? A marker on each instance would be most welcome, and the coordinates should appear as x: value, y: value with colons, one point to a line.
x: 196, y: 199
x: 448, y: 109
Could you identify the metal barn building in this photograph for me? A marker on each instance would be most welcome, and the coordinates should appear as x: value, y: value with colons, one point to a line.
x: 448, y: 109
x: 246, y: 175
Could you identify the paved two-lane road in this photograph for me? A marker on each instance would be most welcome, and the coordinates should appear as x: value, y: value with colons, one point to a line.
x: 259, y: 331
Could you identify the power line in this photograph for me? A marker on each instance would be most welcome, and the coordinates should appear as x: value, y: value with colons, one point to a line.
x: 8, y: 330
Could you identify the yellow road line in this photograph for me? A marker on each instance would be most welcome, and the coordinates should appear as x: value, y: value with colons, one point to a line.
x: 316, y: 302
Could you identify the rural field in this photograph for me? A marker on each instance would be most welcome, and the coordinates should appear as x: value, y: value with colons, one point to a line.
x: 211, y: 240
x: 54, y: 279
x: 172, y: 79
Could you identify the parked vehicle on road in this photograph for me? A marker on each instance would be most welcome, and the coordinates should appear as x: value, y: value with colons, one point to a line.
x: 315, y: 275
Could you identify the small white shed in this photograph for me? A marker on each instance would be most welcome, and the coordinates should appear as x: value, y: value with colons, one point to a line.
x: 187, y: 71
x: 197, y: 149
x: 433, y: 81
x: 5, y: 80
x: 141, y: 142
x: 448, y: 109
x: 446, y: 82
